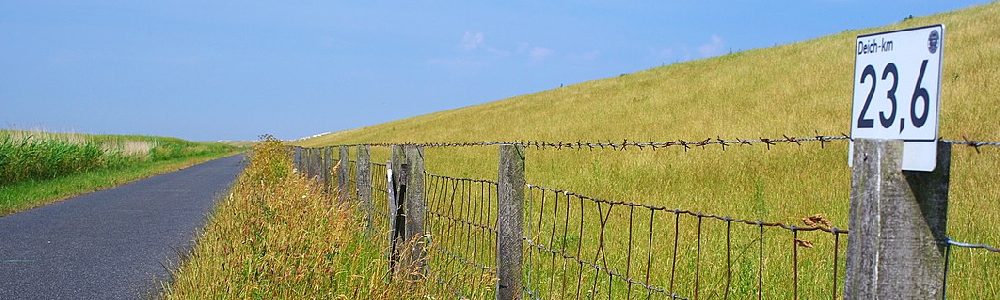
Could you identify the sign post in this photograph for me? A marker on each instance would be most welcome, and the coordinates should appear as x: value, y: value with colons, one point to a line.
x: 900, y: 172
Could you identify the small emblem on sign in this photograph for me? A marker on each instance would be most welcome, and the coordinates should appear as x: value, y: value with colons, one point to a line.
x: 932, y: 41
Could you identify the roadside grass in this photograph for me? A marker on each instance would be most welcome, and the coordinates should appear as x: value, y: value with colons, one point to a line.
x: 40, y: 167
x: 277, y: 235
x: 799, y: 90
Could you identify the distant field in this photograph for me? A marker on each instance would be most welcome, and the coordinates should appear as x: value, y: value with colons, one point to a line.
x: 37, y: 167
x: 798, y: 90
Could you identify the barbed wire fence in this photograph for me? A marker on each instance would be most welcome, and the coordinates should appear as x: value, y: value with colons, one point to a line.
x: 581, y: 247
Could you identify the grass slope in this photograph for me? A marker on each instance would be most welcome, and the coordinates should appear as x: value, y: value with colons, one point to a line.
x: 797, y: 90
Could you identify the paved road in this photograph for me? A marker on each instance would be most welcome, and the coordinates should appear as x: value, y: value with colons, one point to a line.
x: 110, y: 244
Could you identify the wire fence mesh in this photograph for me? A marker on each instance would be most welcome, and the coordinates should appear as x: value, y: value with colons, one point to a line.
x: 581, y: 247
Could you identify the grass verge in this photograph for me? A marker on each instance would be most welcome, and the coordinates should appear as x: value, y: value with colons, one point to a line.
x: 276, y: 235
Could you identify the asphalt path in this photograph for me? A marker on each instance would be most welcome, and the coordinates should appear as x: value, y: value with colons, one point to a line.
x: 117, y: 243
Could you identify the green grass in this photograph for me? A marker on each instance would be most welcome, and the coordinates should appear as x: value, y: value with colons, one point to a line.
x: 40, y: 167
x: 797, y: 90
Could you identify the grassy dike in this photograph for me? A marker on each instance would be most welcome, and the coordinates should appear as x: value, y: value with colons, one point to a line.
x: 278, y: 236
x: 37, y: 168
x: 799, y: 90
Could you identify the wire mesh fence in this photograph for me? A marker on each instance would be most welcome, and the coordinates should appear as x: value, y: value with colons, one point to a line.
x: 462, y: 229
x: 581, y: 247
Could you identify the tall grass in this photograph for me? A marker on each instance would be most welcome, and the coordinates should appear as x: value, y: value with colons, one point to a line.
x: 277, y: 235
x: 38, y: 167
x: 30, y: 157
x: 36, y: 155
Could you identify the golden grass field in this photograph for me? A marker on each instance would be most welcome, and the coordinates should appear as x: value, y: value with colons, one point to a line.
x: 799, y: 90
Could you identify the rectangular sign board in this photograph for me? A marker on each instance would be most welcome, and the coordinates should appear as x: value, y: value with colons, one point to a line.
x: 897, y: 88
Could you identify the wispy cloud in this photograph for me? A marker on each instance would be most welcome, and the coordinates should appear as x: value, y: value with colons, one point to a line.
x: 540, y: 53
x: 471, y: 41
x: 586, y: 56
x: 713, y: 48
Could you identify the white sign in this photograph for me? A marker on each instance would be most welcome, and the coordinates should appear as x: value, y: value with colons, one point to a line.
x: 897, y: 88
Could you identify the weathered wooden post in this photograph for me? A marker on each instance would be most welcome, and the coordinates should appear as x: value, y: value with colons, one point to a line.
x: 311, y: 162
x: 416, y: 206
x: 297, y: 158
x: 343, y: 172
x: 316, y: 156
x: 510, y: 223
x: 327, y: 164
x: 399, y: 172
x: 364, y: 172
x: 897, y: 223
x: 305, y: 161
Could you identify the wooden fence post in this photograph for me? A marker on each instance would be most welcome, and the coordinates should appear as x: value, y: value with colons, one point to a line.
x: 304, y: 161
x: 316, y: 156
x: 297, y: 158
x: 400, y: 170
x: 327, y: 165
x: 311, y: 162
x: 415, y: 208
x: 364, y: 172
x: 343, y: 172
x: 510, y: 223
x: 897, y: 224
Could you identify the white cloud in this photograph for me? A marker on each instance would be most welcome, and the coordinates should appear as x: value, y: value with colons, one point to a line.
x: 713, y: 48
x: 540, y: 53
x: 471, y: 41
x: 586, y: 56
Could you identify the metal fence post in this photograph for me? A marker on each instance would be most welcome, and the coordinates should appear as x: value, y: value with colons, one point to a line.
x: 364, y: 173
x: 897, y: 223
x: 343, y: 171
x: 510, y: 223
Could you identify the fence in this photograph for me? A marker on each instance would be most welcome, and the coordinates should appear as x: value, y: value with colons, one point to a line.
x: 478, y: 238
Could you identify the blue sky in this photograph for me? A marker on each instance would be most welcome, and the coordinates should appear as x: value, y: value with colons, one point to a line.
x: 232, y: 70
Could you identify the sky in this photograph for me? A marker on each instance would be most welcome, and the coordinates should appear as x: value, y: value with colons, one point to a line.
x: 233, y: 70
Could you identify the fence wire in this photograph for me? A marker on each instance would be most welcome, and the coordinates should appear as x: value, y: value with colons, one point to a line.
x: 461, y: 222
x: 576, y: 245
x: 654, y: 145
x: 578, y: 250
